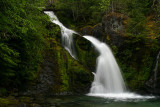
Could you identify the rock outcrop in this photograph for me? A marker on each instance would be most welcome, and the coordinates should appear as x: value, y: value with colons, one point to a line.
x: 113, y: 25
x: 59, y: 73
x: 135, y: 56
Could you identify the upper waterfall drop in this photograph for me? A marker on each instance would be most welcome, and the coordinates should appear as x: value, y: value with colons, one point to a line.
x: 67, y: 34
x: 108, y: 78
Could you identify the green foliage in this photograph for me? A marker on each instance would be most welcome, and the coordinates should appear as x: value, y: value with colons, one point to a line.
x: 3, y: 92
x: 104, y: 4
x: 22, y: 39
x: 81, y: 11
x: 8, y: 60
x: 137, y: 11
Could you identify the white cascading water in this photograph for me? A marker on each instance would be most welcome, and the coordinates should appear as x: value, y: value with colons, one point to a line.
x: 108, y: 81
x: 67, y: 34
x: 108, y: 78
x: 155, y: 70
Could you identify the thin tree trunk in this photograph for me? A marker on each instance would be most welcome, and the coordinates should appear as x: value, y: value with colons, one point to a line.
x: 153, y: 3
x: 84, y: 19
x: 112, y: 7
x: 73, y: 14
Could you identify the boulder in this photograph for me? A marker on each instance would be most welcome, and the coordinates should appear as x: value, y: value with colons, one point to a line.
x: 113, y: 25
x: 97, y: 32
x: 86, y: 30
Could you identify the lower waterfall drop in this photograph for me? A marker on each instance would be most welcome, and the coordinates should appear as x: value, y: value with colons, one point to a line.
x: 108, y: 78
x: 108, y: 81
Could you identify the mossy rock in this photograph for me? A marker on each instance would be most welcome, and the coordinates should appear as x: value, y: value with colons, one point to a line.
x: 66, y: 70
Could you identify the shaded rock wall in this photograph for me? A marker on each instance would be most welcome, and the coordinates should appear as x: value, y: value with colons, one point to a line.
x: 59, y: 73
x: 69, y: 75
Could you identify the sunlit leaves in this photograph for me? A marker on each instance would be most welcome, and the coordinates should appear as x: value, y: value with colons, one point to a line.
x: 104, y: 4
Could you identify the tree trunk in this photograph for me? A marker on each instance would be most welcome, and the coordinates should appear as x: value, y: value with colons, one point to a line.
x: 153, y: 3
x: 112, y: 6
x: 73, y: 14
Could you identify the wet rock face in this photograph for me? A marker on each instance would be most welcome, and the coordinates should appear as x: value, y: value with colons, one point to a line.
x: 98, y: 32
x: 110, y: 30
x: 86, y: 30
x: 153, y: 85
x: 46, y: 76
x: 149, y: 86
x: 95, y: 31
x: 114, y: 27
x: 113, y: 22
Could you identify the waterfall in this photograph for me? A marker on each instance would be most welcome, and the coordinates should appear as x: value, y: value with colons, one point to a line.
x: 108, y: 81
x: 108, y: 78
x: 155, y: 70
x: 67, y: 34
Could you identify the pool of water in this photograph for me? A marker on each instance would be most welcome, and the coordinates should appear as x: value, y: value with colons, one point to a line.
x: 92, y: 101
